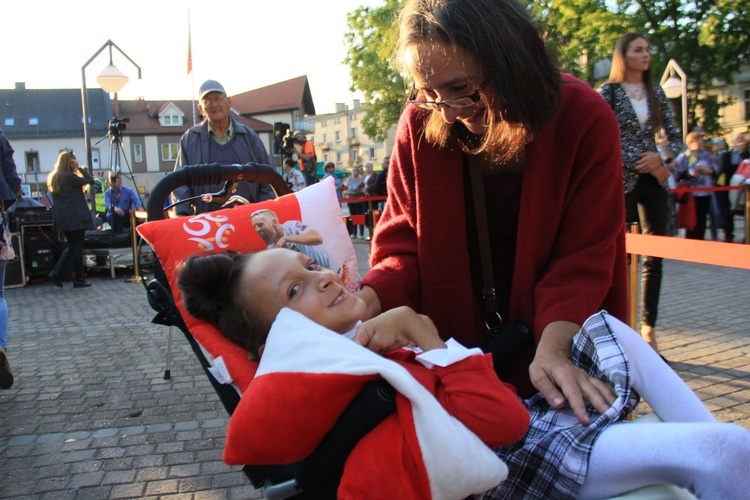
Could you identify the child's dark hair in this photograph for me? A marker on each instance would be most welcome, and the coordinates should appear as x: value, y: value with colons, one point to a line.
x: 210, y: 290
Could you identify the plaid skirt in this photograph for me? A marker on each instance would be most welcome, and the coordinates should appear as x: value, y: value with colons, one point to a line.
x: 551, y: 461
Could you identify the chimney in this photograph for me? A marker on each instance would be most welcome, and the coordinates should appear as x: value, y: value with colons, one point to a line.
x: 340, y: 107
x: 356, y: 104
x: 20, y: 86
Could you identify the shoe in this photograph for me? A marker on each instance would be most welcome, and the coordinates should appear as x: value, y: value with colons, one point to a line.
x: 6, y: 376
x: 55, y: 279
x: 81, y: 284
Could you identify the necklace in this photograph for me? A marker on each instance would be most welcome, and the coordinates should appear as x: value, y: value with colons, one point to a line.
x: 636, y: 91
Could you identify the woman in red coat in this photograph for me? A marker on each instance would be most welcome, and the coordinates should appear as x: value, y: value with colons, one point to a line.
x: 548, y: 148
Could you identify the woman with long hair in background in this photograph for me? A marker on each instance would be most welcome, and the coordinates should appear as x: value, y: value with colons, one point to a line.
x: 71, y: 214
x: 643, y: 111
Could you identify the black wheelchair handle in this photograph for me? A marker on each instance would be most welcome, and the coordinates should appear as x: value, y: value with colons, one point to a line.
x: 211, y: 173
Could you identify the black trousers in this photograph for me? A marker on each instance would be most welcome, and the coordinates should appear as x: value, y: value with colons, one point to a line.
x: 74, y: 251
x: 647, y: 205
x: 702, y: 207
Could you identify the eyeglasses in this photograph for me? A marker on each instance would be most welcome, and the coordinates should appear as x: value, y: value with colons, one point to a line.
x: 456, y: 102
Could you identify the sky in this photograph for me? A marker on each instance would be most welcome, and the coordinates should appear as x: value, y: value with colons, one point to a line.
x: 244, y: 44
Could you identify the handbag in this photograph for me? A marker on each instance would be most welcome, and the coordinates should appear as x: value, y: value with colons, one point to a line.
x: 504, y: 342
x: 6, y: 243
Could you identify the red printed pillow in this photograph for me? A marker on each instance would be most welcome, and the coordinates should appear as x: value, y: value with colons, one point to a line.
x: 313, y: 210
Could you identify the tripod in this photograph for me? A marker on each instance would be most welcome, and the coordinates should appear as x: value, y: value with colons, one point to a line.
x: 114, y: 133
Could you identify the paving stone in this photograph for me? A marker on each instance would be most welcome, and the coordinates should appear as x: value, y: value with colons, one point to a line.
x: 91, y: 416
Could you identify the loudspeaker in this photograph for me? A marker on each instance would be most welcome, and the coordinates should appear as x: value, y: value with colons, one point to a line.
x: 15, y: 275
x: 41, y: 249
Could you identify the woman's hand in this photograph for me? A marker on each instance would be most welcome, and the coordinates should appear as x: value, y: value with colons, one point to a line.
x: 398, y: 328
x: 648, y: 162
x: 661, y: 174
x: 555, y: 376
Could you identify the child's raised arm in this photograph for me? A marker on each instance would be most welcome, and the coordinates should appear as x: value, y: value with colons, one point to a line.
x: 398, y: 328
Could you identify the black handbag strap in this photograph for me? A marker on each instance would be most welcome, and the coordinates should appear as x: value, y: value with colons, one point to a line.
x: 489, y: 296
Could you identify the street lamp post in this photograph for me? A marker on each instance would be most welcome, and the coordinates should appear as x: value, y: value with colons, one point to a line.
x: 111, y: 79
x: 675, y: 87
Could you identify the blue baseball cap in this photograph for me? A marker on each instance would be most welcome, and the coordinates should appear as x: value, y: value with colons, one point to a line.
x: 210, y: 86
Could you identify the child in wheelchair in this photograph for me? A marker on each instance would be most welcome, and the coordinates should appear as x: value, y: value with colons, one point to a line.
x: 242, y: 295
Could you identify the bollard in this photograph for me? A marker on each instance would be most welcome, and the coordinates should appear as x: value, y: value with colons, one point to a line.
x: 136, y: 278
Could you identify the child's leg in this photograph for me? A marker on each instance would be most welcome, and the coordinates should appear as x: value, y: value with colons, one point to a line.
x: 656, y: 382
x: 709, y: 459
x: 689, y: 449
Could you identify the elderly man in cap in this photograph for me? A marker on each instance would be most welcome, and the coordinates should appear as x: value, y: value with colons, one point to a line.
x: 219, y: 139
x: 308, y: 161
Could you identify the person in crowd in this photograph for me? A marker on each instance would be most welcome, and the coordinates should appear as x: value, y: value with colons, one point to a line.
x: 547, y: 148
x: 292, y: 176
x: 624, y: 456
x: 642, y: 111
x: 696, y: 168
x: 10, y: 192
x: 292, y: 234
x: 381, y: 184
x: 119, y: 201
x: 219, y: 139
x: 70, y: 213
x: 727, y: 165
x: 662, y: 146
x: 718, y: 149
x: 308, y: 160
x: 330, y: 171
x: 370, y: 181
x: 355, y: 189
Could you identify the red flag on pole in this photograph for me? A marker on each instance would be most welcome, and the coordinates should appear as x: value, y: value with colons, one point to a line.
x: 190, y: 51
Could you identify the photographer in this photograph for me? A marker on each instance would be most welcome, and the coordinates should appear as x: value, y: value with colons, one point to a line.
x: 308, y: 161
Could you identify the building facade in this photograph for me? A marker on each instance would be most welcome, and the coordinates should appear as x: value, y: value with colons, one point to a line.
x: 339, y: 138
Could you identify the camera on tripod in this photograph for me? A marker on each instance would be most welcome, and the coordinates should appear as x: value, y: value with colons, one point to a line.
x: 117, y: 126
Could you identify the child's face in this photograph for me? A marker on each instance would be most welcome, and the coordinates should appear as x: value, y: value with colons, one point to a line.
x: 281, y: 277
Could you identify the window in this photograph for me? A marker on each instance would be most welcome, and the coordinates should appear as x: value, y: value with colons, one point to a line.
x: 33, y: 121
x: 138, y: 153
x: 337, y: 136
x: 32, y: 161
x: 169, y: 151
x: 353, y: 132
x: 171, y: 120
x: 372, y: 153
x: 325, y: 137
x: 354, y: 117
x: 354, y: 154
x: 324, y: 123
x: 325, y: 157
x: 9, y: 122
x: 338, y: 157
x: 336, y: 120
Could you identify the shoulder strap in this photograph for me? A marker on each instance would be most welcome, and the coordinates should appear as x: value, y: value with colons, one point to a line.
x: 492, y: 315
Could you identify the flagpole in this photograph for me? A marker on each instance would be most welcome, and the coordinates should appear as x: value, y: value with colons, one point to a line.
x: 190, y: 72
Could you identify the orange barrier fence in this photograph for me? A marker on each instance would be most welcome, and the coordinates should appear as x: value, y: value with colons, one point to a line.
x: 668, y: 247
x: 698, y: 251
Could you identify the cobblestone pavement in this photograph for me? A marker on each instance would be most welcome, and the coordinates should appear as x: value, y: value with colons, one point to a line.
x: 91, y: 415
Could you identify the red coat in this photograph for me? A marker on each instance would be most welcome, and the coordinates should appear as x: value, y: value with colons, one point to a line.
x: 570, y: 254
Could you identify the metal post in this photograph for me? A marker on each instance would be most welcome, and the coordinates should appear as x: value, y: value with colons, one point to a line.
x: 633, y: 282
x: 136, y: 278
